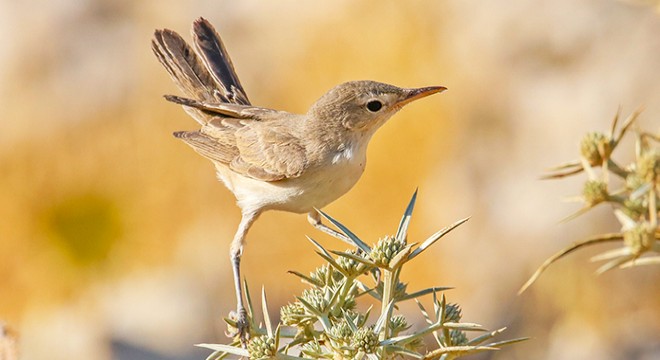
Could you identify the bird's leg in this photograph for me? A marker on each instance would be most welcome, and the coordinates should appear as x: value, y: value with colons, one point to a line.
x: 314, y: 218
x: 242, y: 324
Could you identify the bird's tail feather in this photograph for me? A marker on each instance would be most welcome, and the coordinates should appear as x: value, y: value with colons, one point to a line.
x: 205, y: 75
x: 210, y: 47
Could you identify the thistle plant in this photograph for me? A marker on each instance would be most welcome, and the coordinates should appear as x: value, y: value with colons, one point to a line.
x: 634, y: 203
x: 325, y: 321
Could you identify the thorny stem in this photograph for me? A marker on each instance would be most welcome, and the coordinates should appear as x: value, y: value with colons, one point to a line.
x: 616, y: 169
x: 653, y: 210
x: 388, y: 283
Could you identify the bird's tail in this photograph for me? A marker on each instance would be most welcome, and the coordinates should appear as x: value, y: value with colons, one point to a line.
x: 204, y: 74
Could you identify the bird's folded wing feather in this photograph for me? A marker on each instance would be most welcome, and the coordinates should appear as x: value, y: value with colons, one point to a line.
x: 268, y: 154
x: 226, y: 109
x: 249, y: 147
x: 221, y: 152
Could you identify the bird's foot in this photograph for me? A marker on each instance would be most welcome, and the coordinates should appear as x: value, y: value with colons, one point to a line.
x: 239, y: 329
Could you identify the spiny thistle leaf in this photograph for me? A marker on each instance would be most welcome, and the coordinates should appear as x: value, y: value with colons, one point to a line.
x: 402, y: 230
x: 435, y: 237
x: 324, y: 254
x: 354, y: 257
x: 614, y: 264
x: 611, y: 254
x: 427, y: 291
x: 457, y: 351
x: 649, y: 260
x: 626, y: 124
x: 463, y: 326
x: 403, y: 351
x: 264, y: 309
x: 596, y: 240
x: 226, y: 349
x: 572, y: 168
x: 399, y: 259
x: 499, y: 344
x: 485, y: 337
x: 383, y: 318
x: 356, y: 241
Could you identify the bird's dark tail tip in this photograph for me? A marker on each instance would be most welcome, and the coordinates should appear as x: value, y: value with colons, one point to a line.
x: 179, y: 100
x: 179, y: 134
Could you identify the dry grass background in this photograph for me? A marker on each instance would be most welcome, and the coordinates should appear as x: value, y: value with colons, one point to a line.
x: 111, y: 230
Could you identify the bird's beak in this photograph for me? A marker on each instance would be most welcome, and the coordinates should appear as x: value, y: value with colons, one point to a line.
x: 414, y: 94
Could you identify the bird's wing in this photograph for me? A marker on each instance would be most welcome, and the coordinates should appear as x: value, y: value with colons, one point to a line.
x: 259, y: 152
x: 245, y: 138
x: 220, y: 151
x: 267, y: 153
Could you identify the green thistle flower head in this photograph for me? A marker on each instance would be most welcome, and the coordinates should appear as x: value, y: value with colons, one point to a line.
x: 326, y: 276
x: 262, y: 347
x: 640, y: 238
x: 635, y: 208
x: 398, y: 323
x: 634, y: 181
x: 293, y: 314
x: 342, y: 332
x: 385, y: 250
x: 591, y: 146
x: 312, y: 349
x: 648, y: 165
x: 453, y: 313
x: 595, y: 192
x: 458, y: 337
x: 365, y: 340
x: 350, y: 266
x: 348, y: 300
x: 356, y: 317
x: 316, y: 298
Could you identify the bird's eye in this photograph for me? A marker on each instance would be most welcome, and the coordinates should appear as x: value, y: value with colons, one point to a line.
x: 374, y: 105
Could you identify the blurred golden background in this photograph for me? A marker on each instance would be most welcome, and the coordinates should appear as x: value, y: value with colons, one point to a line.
x: 114, y: 236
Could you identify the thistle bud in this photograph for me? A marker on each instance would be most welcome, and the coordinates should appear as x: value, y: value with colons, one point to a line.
x: 595, y: 192
x: 453, y: 313
x: 292, y: 314
x: 640, y: 238
x: 595, y: 148
x: 385, y: 250
x: 365, y: 340
x: 262, y: 347
x: 648, y: 165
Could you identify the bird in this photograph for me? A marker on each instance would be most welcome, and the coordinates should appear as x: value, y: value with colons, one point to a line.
x: 271, y: 159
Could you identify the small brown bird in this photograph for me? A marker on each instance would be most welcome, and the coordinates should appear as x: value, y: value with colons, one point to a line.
x: 269, y: 159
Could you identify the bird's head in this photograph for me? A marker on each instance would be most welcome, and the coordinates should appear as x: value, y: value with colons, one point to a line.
x: 363, y: 106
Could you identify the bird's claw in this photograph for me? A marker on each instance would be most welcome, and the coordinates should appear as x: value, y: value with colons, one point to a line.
x: 241, y: 330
